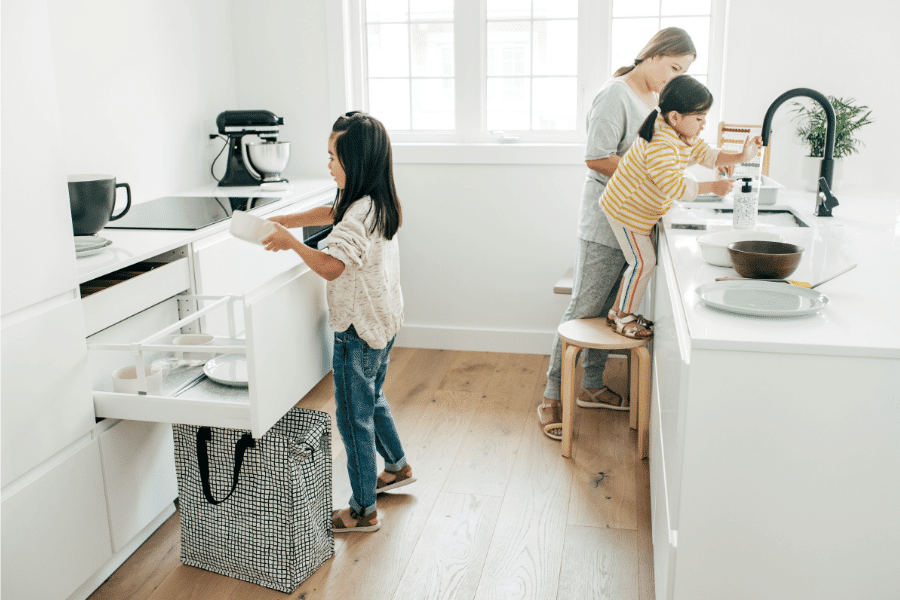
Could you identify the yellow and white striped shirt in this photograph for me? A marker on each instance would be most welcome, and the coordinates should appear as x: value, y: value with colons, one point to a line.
x: 651, y: 176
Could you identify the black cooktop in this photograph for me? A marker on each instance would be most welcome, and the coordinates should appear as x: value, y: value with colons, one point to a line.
x: 185, y: 212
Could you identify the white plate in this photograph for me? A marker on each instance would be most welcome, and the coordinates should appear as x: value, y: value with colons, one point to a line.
x: 90, y: 242
x: 228, y: 369
x: 761, y: 298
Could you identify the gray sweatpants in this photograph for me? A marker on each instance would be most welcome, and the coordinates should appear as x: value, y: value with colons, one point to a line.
x: 598, y: 271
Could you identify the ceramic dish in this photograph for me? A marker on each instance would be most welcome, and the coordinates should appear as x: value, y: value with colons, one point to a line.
x: 761, y: 298
x: 714, y: 246
x: 228, y: 369
x: 89, y: 245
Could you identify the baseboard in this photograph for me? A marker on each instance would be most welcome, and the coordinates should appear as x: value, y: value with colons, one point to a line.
x: 485, y: 340
x: 103, y: 573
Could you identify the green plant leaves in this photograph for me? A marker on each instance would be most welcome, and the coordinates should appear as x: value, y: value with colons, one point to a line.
x: 848, y: 119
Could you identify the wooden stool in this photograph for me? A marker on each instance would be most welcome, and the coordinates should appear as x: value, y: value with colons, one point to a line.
x: 579, y: 334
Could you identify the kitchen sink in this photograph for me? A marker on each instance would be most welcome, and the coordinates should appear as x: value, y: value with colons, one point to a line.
x: 703, y: 217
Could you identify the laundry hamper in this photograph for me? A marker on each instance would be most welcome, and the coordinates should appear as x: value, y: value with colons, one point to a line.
x: 257, y: 510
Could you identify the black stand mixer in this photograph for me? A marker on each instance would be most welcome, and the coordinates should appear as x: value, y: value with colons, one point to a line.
x: 253, y: 163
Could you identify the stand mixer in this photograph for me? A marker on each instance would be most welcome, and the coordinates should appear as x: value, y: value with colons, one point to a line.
x: 253, y: 163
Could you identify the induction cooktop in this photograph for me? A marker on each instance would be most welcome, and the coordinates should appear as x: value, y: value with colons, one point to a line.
x: 185, y: 212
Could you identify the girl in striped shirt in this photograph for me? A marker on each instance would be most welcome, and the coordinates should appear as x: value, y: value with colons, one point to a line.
x: 651, y: 177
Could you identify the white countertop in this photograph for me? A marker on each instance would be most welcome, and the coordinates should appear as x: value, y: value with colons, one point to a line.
x: 130, y: 246
x: 861, y: 318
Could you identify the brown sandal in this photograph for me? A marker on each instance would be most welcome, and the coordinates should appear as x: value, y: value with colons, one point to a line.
x: 631, y: 327
x: 550, y: 418
x: 642, y: 321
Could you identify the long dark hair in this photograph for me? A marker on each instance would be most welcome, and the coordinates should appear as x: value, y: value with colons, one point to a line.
x: 682, y: 94
x: 671, y: 41
x: 363, y: 148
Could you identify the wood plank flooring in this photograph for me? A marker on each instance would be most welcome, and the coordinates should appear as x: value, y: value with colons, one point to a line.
x: 496, y: 512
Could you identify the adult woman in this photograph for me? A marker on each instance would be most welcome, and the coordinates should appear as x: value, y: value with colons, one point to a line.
x: 617, y: 113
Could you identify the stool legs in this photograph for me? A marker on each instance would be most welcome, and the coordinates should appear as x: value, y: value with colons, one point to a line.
x: 567, y: 395
x: 640, y: 397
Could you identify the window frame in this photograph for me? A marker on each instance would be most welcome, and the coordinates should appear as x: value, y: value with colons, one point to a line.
x: 345, y: 29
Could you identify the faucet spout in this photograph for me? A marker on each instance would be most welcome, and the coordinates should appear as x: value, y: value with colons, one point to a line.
x: 825, y: 200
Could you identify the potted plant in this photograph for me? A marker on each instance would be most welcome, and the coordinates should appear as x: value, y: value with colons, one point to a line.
x: 811, y: 129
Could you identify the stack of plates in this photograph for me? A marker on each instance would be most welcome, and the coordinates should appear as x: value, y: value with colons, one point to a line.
x: 89, y: 245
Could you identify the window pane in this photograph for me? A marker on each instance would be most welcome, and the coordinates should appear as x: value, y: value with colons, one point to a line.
x: 686, y: 7
x: 509, y: 48
x: 432, y: 49
x: 508, y: 9
x: 433, y: 104
x: 508, y: 103
x: 389, y: 102
x: 430, y: 9
x: 388, y: 50
x: 629, y: 36
x: 555, y: 9
x: 556, y: 47
x: 635, y: 8
x: 386, y: 10
x: 698, y: 29
x: 555, y: 103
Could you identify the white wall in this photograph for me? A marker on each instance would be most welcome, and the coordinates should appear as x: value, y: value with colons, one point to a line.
x: 842, y: 49
x: 137, y: 81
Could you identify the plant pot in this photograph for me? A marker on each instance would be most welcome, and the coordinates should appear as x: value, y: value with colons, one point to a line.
x: 811, y: 166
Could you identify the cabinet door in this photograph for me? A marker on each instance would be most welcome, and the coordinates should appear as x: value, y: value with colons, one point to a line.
x: 37, y: 257
x: 139, y: 471
x: 46, y: 393
x: 55, y: 533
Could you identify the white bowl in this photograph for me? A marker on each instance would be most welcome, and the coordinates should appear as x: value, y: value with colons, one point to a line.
x: 714, y: 246
x: 195, y: 339
x: 125, y: 380
x: 250, y: 228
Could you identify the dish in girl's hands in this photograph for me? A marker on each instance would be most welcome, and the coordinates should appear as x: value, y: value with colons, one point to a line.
x: 228, y: 369
x: 714, y: 246
x: 250, y: 228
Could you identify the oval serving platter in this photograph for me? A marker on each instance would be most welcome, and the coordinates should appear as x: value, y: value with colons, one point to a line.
x: 761, y: 298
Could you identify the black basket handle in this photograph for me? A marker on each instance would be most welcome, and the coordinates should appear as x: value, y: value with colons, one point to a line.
x: 204, y: 434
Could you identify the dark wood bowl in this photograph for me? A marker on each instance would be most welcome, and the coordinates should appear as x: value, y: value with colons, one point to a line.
x: 758, y: 259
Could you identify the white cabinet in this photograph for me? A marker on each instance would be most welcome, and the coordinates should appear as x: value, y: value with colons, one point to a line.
x: 46, y: 394
x: 287, y: 352
x: 55, y: 533
x: 38, y: 252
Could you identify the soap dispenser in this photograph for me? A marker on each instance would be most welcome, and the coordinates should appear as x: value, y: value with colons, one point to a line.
x: 746, y: 202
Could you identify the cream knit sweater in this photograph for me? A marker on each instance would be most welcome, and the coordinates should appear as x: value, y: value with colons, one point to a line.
x: 367, y: 294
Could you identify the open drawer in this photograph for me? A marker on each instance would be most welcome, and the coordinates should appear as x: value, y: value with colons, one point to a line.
x: 287, y: 353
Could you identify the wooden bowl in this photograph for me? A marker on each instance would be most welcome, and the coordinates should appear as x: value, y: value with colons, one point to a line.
x: 759, y: 259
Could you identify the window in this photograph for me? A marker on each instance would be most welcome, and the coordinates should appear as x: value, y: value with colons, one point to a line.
x: 475, y: 71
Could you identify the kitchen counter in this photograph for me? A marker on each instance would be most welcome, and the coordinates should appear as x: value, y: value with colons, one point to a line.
x: 130, y: 246
x: 860, y: 318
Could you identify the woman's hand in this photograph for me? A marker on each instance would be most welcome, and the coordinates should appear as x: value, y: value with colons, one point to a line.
x: 752, y: 146
x: 280, y: 240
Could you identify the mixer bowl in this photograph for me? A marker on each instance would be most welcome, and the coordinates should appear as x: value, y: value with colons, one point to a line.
x: 269, y: 159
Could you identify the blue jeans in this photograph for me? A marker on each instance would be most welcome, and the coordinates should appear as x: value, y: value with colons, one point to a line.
x: 363, y: 415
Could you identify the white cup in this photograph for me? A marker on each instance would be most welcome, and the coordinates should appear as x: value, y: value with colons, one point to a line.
x: 125, y: 379
x: 195, y: 339
x: 250, y: 228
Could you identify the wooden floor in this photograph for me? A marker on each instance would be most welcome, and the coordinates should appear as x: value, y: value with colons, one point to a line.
x: 496, y: 512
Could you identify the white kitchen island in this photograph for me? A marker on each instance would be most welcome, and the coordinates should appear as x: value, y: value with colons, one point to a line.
x: 775, y: 443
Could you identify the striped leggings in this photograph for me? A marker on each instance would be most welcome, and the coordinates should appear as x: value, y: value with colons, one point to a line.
x: 640, y: 253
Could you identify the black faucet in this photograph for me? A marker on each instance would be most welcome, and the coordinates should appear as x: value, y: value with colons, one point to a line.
x: 825, y: 200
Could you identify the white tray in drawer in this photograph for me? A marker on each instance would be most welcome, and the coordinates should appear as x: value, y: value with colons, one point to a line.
x: 118, y: 302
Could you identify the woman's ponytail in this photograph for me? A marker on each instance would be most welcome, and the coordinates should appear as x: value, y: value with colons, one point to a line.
x: 646, y: 130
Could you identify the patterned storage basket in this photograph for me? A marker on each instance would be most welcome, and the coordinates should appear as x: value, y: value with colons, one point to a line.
x: 257, y: 510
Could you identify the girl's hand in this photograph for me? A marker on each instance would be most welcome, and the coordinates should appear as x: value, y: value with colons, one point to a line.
x: 726, y: 171
x: 721, y: 186
x: 751, y: 148
x: 280, y: 219
x: 280, y: 240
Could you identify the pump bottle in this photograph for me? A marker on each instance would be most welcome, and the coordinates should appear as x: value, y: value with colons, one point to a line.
x: 746, y: 202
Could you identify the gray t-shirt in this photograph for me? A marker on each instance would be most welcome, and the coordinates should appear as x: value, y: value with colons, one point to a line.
x: 612, y: 125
